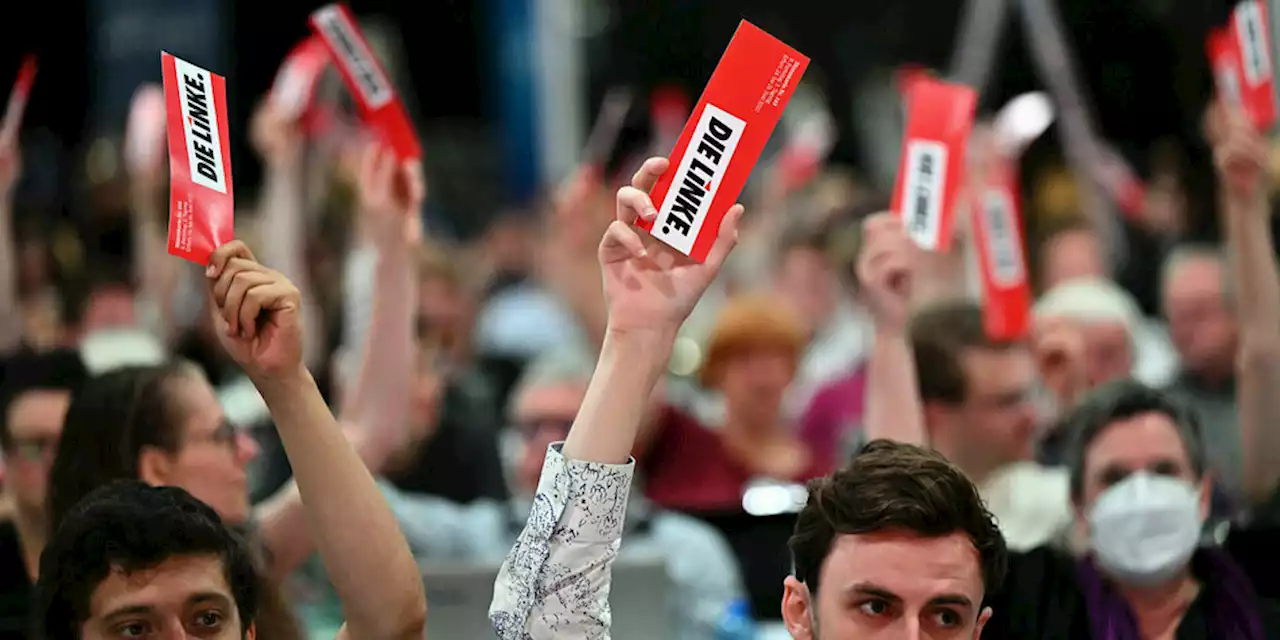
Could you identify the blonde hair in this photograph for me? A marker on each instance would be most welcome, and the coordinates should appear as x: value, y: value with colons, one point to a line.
x: 751, y: 322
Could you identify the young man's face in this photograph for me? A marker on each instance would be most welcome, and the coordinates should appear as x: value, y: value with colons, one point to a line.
x: 182, y: 597
x: 891, y: 584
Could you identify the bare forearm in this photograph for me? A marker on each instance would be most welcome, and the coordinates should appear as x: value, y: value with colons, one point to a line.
x: 373, y: 571
x: 607, y: 424
x: 10, y: 307
x: 1258, y: 309
x: 284, y: 234
x: 387, y: 357
x: 893, y: 395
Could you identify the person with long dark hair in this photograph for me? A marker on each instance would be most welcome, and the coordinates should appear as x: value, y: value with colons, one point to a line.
x: 163, y: 425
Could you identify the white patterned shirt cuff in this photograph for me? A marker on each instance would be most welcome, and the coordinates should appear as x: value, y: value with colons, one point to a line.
x: 555, y: 582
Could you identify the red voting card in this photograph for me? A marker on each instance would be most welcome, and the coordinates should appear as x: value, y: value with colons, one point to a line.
x: 295, y: 83
x: 1224, y: 60
x: 997, y: 228
x: 201, y: 202
x: 18, y: 98
x: 723, y: 139
x: 380, y: 105
x: 939, y: 118
x: 1253, y: 50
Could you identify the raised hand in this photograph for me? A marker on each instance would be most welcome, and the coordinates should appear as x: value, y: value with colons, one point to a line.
x: 1240, y: 154
x: 277, y: 139
x: 257, y: 311
x: 390, y: 197
x: 886, y: 269
x: 648, y: 285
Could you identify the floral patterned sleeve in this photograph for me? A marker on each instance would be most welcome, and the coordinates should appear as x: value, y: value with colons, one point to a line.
x: 555, y: 581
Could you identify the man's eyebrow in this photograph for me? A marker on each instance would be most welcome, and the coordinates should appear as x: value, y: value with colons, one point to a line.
x: 951, y: 600
x: 871, y: 589
x: 209, y: 596
x: 132, y: 610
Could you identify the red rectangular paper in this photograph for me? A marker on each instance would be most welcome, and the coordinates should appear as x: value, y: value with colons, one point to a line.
x: 997, y: 226
x: 201, y: 201
x: 1253, y: 48
x: 295, y: 82
x: 723, y: 139
x: 380, y: 105
x: 939, y: 118
x: 1225, y: 63
x: 18, y: 98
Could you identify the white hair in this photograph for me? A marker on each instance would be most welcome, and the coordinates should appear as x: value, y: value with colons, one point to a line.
x: 1090, y: 300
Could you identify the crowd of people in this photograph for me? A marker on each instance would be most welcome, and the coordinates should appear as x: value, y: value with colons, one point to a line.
x: 287, y: 442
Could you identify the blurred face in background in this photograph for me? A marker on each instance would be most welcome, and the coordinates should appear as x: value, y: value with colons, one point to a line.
x: 542, y: 415
x: 213, y: 456
x: 109, y: 307
x: 809, y: 284
x: 1069, y: 255
x: 995, y: 423
x: 1108, y: 351
x: 1200, y: 323
x: 426, y: 394
x: 34, y: 421
x: 754, y: 378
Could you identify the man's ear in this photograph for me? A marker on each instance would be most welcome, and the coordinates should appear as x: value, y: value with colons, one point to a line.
x: 1206, y: 495
x: 797, y: 611
x: 982, y: 622
x: 155, y: 466
x: 252, y: 632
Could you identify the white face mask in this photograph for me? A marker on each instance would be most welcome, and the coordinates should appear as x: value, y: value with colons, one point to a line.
x: 1144, y: 529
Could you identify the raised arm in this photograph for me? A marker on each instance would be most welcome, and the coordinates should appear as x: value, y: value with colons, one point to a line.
x: 373, y: 571
x: 11, y: 326
x: 886, y: 274
x: 1241, y: 157
x: 374, y: 413
x: 555, y: 582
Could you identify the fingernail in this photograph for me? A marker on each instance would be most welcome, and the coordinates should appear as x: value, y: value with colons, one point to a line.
x: 211, y: 271
x: 644, y: 253
x: 650, y: 213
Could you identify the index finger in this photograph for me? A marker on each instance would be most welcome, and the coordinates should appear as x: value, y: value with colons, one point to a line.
x: 648, y: 173
x: 222, y: 255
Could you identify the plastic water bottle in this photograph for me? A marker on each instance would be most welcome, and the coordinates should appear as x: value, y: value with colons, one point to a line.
x: 737, y: 623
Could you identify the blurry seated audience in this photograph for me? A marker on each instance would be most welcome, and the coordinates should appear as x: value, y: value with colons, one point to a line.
x: 896, y: 544
x: 976, y: 394
x: 454, y: 439
x: 1139, y: 487
x: 132, y: 560
x: 805, y: 278
x: 1120, y: 341
x: 1070, y: 251
x: 1199, y: 304
x: 544, y: 403
x: 751, y: 359
x: 34, y: 396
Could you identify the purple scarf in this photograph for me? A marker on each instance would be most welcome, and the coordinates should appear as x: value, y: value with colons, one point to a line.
x: 1231, y: 601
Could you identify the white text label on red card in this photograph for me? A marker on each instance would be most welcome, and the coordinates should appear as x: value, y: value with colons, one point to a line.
x: 354, y: 54
x: 200, y: 125
x: 1004, y: 247
x: 698, y: 177
x: 924, y: 191
x: 1255, y: 59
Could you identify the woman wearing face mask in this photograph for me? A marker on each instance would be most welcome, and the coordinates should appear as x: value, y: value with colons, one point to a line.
x: 1139, y: 486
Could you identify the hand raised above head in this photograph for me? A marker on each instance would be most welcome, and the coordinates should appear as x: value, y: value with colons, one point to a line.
x: 258, y: 310
x: 648, y: 285
x: 886, y: 269
x: 1240, y: 154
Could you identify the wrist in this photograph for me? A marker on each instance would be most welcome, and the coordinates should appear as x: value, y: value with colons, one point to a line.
x: 278, y: 385
x: 659, y: 339
x: 892, y: 331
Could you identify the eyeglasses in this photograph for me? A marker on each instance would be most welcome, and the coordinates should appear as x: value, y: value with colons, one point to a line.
x: 226, y: 434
